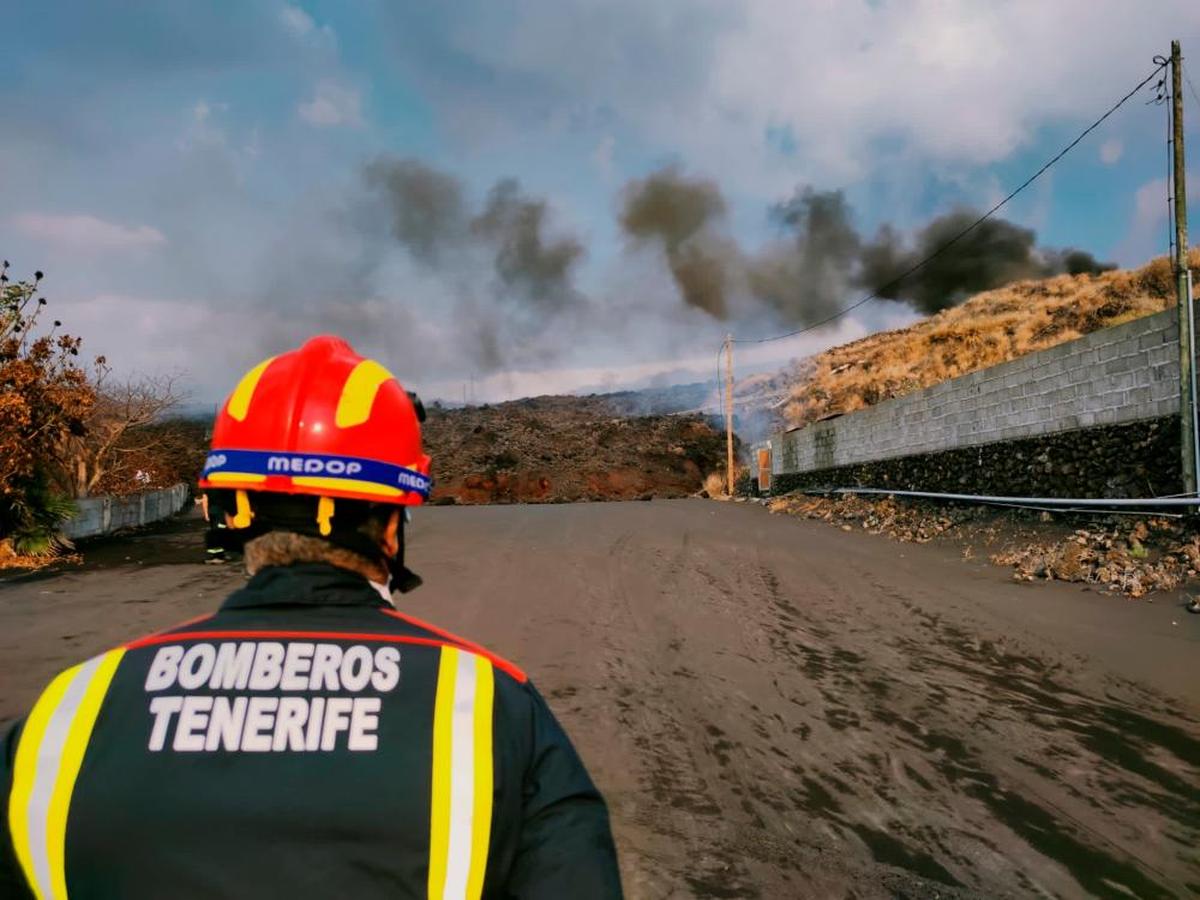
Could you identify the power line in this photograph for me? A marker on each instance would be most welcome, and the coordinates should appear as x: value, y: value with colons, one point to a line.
x: 1191, y: 87
x: 875, y: 294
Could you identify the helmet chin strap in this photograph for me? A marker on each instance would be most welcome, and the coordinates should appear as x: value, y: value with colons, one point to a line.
x: 296, y: 514
x: 400, y: 577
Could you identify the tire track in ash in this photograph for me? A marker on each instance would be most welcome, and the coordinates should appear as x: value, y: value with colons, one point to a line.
x: 714, y: 739
x: 683, y: 669
x: 660, y: 701
x: 848, y: 778
x: 766, y: 724
x: 1133, y: 775
x: 916, y: 728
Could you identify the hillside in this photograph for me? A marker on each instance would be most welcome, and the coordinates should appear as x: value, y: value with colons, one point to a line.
x: 990, y: 328
x: 655, y: 442
x: 561, y: 448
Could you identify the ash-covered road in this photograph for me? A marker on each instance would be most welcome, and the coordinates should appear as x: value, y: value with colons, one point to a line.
x: 773, y: 707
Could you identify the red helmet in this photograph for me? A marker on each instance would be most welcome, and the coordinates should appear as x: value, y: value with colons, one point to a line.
x: 323, y: 421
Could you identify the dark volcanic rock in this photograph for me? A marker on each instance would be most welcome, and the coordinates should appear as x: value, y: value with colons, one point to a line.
x: 560, y: 448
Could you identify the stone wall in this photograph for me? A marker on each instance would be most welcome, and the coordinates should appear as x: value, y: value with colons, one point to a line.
x: 1123, y: 374
x: 1094, y: 417
x: 1139, y: 459
x: 104, y: 515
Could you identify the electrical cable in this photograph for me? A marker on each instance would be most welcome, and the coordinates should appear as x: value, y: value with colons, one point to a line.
x: 1188, y: 78
x: 874, y: 295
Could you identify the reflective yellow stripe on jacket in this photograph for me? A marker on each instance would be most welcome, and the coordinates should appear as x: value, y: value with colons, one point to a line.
x: 48, y: 759
x: 461, y: 813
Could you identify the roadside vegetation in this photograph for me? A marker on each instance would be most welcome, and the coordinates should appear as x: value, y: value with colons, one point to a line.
x: 68, y: 429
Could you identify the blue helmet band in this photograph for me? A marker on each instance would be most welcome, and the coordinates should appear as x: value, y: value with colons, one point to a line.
x: 318, y: 465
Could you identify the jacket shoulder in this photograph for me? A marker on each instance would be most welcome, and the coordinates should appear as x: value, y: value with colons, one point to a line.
x: 392, y: 625
x: 430, y: 630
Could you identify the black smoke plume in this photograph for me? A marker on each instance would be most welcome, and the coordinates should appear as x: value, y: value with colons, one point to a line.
x: 426, y: 207
x: 507, y: 276
x: 429, y: 216
x: 994, y: 253
x: 1076, y: 262
x: 525, y: 259
x: 806, y: 276
x: 821, y: 262
x: 682, y: 212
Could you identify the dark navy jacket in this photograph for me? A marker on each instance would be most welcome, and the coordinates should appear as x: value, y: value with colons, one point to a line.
x: 307, y: 740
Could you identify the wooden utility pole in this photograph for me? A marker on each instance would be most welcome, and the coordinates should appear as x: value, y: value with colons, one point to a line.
x: 729, y: 414
x: 1187, y: 397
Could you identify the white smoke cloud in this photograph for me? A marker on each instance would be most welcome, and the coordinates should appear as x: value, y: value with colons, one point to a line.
x: 86, y: 233
x: 332, y: 104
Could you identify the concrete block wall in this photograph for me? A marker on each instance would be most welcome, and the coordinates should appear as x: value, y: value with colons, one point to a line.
x: 104, y: 515
x: 1117, y: 375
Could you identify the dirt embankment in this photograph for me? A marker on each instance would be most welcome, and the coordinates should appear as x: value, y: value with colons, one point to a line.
x: 990, y: 328
x: 562, y: 449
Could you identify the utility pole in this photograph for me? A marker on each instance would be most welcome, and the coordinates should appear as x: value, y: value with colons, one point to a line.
x: 1187, y: 398
x: 729, y: 413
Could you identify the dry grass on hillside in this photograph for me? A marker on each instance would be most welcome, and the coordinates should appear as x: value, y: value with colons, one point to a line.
x: 988, y: 329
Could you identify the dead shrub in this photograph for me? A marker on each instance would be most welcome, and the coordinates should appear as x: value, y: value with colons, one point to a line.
x: 714, y: 485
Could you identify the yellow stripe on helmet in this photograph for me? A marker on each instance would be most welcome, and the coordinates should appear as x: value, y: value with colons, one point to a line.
x: 347, y: 484
x: 238, y: 405
x: 358, y: 393
x: 234, y: 477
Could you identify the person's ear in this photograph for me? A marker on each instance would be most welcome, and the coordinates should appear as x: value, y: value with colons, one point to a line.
x: 391, y: 534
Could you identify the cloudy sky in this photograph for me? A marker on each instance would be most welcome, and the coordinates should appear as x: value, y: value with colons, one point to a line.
x: 206, y: 184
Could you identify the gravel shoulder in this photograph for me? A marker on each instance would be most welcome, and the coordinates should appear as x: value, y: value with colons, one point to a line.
x: 772, y: 706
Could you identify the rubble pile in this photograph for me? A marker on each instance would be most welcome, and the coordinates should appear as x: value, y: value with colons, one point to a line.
x: 1135, y: 557
x: 1130, y: 554
x: 912, y: 522
x: 559, y: 449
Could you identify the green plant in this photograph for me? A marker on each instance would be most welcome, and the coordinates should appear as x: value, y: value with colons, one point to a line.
x: 37, y: 515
